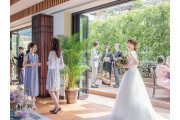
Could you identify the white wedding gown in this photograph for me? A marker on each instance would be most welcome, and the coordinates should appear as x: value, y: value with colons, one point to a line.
x: 132, y: 100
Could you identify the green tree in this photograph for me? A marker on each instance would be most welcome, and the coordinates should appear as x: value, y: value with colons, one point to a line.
x: 150, y: 26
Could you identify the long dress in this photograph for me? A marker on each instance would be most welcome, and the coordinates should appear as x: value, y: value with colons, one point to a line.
x: 161, y: 79
x: 53, y: 75
x: 106, y: 73
x: 31, y: 81
x: 132, y: 101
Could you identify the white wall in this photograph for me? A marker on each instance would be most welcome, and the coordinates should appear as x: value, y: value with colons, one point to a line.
x: 58, y: 29
x: 58, y: 24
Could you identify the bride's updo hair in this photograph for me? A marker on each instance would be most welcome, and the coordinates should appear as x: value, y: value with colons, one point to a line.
x: 134, y: 42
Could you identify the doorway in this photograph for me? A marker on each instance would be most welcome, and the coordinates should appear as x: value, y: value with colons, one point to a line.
x: 112, y: 23
x: 19, y: 38
x: 14, y: 46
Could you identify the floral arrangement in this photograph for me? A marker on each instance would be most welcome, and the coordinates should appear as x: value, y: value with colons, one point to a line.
x: 19, y: 97
x: 17, y: 93
x: 120, y: 62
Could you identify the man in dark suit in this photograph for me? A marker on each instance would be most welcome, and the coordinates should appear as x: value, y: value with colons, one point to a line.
x: 117, y: 55
x: 20, y: 59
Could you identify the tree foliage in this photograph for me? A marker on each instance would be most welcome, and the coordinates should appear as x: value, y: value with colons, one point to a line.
x: 150, y: 26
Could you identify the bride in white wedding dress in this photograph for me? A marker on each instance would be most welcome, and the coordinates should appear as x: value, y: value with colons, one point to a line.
x: 132, y: 100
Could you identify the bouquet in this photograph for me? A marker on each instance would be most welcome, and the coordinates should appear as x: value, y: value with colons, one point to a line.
x: 120, y: 62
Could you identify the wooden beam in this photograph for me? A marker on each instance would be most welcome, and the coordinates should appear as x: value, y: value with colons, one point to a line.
x: 46, y: 4
x: 13, y: 2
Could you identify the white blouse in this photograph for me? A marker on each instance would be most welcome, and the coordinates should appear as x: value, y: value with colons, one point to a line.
x: 54, y: 62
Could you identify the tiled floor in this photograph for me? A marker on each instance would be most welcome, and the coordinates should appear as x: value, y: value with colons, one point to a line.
x: 93, y: 108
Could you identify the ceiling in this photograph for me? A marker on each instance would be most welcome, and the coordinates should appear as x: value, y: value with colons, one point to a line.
x: 21, y: 5
x: 69, y: 6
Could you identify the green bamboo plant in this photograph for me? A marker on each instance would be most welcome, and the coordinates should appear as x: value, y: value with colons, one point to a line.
x: 73, y: 51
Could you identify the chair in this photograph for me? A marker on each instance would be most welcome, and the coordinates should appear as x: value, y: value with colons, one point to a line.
x: 155, y: 86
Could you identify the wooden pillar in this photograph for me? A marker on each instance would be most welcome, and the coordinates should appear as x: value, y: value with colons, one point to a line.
x: 42, y: 34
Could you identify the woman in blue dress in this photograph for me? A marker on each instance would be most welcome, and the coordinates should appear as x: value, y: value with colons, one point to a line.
x: 31, y: 64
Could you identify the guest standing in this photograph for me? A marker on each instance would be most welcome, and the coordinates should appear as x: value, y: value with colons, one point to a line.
x: 20, y: 59
x: 12, y: 64
x: 168, y: 65
x: 161, y: 71
x: 94, y: 64
x: 31, y: 64
x: 118, y: 54
x: 55, y: 63
x: 107, y: 59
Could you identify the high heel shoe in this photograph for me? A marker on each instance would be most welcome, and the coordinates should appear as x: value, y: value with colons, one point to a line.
x: 52, y: 110
x: 55, y: 112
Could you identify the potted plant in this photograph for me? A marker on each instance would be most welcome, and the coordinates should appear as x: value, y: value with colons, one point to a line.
x: 73, y: 51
